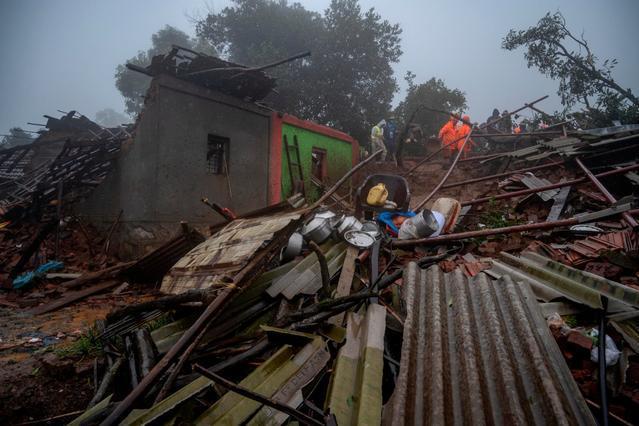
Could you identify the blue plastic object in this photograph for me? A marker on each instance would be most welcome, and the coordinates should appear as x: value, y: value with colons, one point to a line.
x: 387, y: 218
x: 42, y: 270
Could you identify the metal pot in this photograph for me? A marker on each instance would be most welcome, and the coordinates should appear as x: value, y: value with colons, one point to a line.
x: 318, y: 230
x: 327, y: 214
x: 372, y: 228
x: 425, y: 223
x: 359, y: 239
x: 293, y: 248
x: 349, y: 222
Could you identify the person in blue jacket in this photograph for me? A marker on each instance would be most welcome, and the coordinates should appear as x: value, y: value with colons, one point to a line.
x: 390, y: 137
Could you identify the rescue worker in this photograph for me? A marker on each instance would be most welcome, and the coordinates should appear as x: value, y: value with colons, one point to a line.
x: 495, y: 116
x: 377, y: 138
x: 506, y: 124
x: 447, y: 135
x: 462, y: 132
x: 390, y: 134
x: 517, y: 129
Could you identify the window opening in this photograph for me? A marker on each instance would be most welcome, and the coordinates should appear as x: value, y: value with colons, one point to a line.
x: 319, y: 164
x: 217, y: 155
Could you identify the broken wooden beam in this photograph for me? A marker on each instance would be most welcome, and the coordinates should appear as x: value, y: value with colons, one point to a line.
x: 102, y: 274
x: 345, y: 281
x: 73, y: 297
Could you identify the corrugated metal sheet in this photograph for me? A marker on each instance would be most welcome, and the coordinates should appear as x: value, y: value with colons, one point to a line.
x: 477, y: 351
x: 215, y: 261
x: 575, y: 284
x: 531, y: 181
x: 355, y: 395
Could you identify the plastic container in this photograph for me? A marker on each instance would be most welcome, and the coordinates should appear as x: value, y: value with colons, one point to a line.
x: 377, y: 195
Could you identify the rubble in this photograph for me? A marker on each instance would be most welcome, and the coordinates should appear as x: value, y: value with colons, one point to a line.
x: 403, y: 298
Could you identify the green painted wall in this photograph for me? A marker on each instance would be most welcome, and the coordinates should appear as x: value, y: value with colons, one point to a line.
x: 339, y: 158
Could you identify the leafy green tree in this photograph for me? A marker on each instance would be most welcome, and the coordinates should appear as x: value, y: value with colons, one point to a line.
x: 348, y: 81
x: 583, y: 78
x: 108, y: 117
x: 433, y: 94
x: 17, y: 136
x: 133, y: 85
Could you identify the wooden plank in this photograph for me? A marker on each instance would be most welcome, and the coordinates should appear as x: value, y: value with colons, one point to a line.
x: 101, y: 274
x: 345, y: 281
x: 73, y: 297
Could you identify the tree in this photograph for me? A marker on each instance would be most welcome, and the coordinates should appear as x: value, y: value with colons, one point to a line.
x: 17, y: 136
x: 561, y: 55
x: 433, y: 94
x: 133, y: 85
x: 348, y: 81
x: 108, y: 117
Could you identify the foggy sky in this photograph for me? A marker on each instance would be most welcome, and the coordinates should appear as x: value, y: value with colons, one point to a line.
x: 63, y: 54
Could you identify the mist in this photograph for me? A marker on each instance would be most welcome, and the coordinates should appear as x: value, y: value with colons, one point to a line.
x: 63, y: 55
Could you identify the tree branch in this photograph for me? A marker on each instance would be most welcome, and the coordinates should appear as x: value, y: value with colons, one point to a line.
x: 597, y: 75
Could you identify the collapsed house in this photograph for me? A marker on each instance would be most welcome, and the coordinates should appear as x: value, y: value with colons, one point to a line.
x: 201, y: 134
x: 520, y: 306
x: 70, y: 158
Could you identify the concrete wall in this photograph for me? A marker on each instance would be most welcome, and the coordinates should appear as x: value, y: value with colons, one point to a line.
x: 160, y: 177
x: 339, y: 157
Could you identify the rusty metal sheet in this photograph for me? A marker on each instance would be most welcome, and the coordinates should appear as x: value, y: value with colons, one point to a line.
x: 478, y: 351
x: 215, y: 261
x: 531, y: 181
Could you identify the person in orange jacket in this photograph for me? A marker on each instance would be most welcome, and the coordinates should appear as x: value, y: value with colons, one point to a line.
x: 448, y: 134
x: 461, y: 134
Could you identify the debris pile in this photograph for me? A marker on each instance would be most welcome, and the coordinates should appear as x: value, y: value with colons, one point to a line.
x: 407, y: 303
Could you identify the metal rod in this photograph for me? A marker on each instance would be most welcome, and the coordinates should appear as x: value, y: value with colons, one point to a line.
x: 604, y: 191
x: 241, y: 390
x: 495, y: 231
x: 601, y: 352
x: 500, y: 175
x: 450, y: 170
x: 547, y: 187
